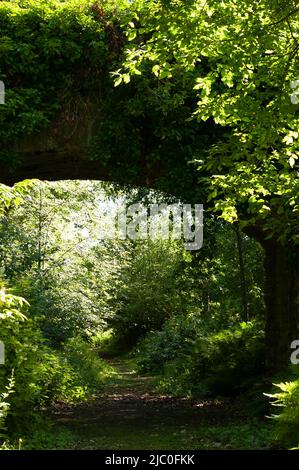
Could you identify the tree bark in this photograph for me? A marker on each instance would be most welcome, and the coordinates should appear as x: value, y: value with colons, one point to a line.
x: 281, y: 299
x: 282, y: 306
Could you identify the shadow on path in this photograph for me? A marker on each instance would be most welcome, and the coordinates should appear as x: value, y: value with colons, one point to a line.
x: 130, y: 414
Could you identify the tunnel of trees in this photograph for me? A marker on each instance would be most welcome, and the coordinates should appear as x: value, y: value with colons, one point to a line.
x: 189, y: 99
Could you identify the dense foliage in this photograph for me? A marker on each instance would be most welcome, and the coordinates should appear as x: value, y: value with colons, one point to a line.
x: 41, y: 46
x: 196, y: 361
x: 34, y: 373
x: 182, y: 314
x: 229, y: 49
x: 286, y: 415
x: 197, y: 93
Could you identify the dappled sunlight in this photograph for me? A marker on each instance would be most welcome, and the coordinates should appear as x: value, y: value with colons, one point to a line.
x: 126, y: 416
x: 149, y: 261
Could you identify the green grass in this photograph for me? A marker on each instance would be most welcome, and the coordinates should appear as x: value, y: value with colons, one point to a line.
x: 171, y: 437
x: 152, y: 437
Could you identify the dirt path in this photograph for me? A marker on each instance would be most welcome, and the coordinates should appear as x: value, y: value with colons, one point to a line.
x: 130, y: 414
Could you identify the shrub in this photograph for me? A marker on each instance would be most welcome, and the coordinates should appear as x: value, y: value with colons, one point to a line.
x: 21, y: 340
x: 86, y: 364
x: 231, y: 360
x: 108, y: 344
x: 31, y: 361
x: 194, y: 361
x: 287, y: 421
x: 161, y: 347
x: 4, y: 407
x: 151, y: 289
x: 42, y: 374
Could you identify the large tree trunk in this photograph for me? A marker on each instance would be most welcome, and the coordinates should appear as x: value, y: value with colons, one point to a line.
x: 282, y: 303
x: 281, y: 299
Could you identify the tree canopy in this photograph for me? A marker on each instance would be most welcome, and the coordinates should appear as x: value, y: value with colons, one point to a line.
x: 242, y: 58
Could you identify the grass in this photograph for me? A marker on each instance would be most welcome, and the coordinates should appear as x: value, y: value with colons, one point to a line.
x: 171, y: 437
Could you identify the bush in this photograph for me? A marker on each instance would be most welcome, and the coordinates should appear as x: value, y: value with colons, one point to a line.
x: 161, y: 347
x: 41, y: 375
x: 230, y: 361
x: 287, y: 422
x: 151, y: 289
x: 4, y: 407
x: 197, y: 363
x: 108, y: 344
x: 86, y: 364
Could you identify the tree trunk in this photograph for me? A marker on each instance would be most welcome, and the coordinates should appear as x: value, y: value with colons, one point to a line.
x: 282, y: 304
x: 281, y: 299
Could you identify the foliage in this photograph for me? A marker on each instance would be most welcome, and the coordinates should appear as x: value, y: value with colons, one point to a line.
x: 146, y: 299
x: 242, y: 58
x: 207, y: 88
x: 42, y: 243
x: 161, y: 347
x: 223, y: 297
x: 12, y: 197
x: 158, y: 280
x: 45, y: 435
x: 62, y: 50
x: 196, y: 361
x: 59, y: 78
x: 5, y: 406
x: 90, y: 369
x: 107, y: 344
x: 247, y: 154
x: 21, y: 342
x: 38, y: 374
x: 90, y: 296
x: 286, y: 398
